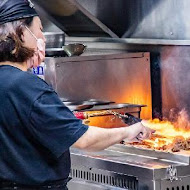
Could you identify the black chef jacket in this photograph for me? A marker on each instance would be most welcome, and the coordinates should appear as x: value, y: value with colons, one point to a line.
x: 36, y: 129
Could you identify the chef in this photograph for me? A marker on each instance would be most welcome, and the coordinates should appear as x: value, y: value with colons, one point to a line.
x: 36, y: 128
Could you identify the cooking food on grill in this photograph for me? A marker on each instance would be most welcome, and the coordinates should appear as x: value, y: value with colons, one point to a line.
x: 178, y: 144
x: 169, y: 137
x: 157, y: 142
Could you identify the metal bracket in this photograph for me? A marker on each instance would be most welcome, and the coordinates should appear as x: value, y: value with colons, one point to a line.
x: 171, y: 173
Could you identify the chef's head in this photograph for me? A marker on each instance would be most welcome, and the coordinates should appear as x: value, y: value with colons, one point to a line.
x: 20, y: 29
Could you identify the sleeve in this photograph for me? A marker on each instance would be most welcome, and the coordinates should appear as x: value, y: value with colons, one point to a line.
x: 53, y: 124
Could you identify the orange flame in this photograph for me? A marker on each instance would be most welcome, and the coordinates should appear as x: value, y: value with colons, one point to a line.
x: 167, y: 132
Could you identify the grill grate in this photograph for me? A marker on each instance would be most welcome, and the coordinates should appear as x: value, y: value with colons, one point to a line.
x: 105, y: 177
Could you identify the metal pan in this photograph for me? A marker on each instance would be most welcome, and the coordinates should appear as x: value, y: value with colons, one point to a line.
x: 97, y: 102
x: 74, y: 49
x: 75, y: 107
x: 79, y: 107
x: 87, y: 102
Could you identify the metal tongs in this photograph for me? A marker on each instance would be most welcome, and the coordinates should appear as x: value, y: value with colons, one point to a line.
x: 127, y: 118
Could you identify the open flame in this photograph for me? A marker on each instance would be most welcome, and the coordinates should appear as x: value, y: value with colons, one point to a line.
x: 169, y: 135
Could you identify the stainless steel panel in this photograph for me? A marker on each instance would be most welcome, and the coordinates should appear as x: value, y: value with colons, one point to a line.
x: 179, y: 157
x: 72, y: 18
x: 152, y: 170
x: 125, y: 17
x: 76, y: 184
x: 123, y: 43
x: 170, y: 68
x: 108, y: 179
x: 142, y: 166
x: 123, y: 78
x: 152, y: 19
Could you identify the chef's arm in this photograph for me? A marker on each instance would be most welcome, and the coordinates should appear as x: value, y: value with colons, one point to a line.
x: 96, y: 139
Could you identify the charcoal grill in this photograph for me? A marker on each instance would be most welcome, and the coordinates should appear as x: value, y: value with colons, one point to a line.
x: 129, y: 167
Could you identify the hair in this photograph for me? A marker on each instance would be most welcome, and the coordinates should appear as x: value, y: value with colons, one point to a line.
x: 11, y: 44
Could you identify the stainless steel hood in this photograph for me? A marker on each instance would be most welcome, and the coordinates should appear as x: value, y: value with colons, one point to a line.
x: 145, y: 19
x: 72, y: 18
x: 152, y: 19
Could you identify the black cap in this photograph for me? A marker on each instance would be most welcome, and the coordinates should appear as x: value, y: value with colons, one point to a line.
x: 11, y: 10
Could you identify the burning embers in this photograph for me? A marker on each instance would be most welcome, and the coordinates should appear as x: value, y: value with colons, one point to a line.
x: 170, y: 136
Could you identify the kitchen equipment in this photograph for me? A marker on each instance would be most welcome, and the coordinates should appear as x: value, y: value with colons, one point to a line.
x: 92, y: 77
x: 55, y: 52
x: 91, y: 102
x: 114, y: 106
x: 78, y: 107
x: 127, y: 118
x: 75, y: 49
x: 72, y: 18
x: 54, y: 39
x: 98, y: 102
x: 83, y: 105
x: 129, y: 167
x: 111, y: 115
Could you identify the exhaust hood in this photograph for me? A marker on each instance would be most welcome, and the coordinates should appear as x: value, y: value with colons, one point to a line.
x: 72, y: 18
x: 137, y: 19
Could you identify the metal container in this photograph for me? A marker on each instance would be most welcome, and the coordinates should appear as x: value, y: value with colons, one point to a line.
x: 54, y: 39
x: 55, y: 52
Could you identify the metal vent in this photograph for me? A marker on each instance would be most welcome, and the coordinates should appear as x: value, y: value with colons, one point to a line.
x: 179, y: 188
x: 105, y: 177
x: 183, y: 183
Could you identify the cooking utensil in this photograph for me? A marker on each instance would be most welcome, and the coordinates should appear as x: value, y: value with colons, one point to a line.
x: 97, y: 102
x: 74, y: 106
x: 55, y: 52
x: 74, y: 49
x: 128, y: 119
x: 78, y: 107
x: 87, y: 102
x: 54, y: 39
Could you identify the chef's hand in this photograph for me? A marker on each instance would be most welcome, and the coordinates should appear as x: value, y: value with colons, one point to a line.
x: 138, y: 132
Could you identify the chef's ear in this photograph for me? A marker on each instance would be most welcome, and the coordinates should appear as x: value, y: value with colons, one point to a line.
x: 24, y: 34
x: 22, y: 38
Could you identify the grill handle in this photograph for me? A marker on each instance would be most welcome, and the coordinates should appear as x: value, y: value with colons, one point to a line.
x: 130, y: 119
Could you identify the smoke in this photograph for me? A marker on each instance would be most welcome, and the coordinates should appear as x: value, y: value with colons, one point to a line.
x: 180, y: 119
x: 175, y: 69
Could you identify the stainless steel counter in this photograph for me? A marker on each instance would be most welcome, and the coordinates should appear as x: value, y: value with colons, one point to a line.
x: 132, y: 168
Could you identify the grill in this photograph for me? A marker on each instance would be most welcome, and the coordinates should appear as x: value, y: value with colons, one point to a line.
x: 105, y: 177
x: 132, y: 168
